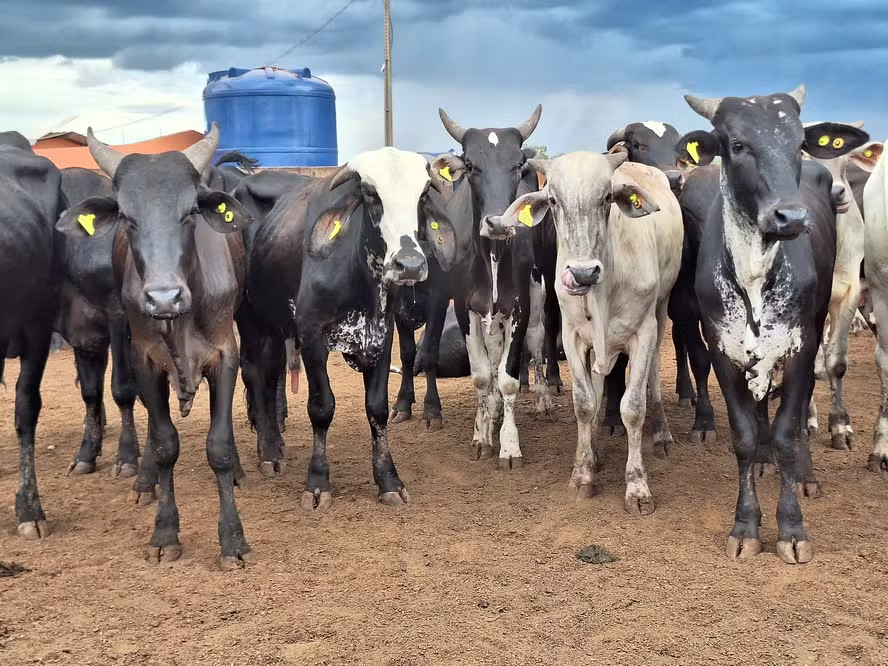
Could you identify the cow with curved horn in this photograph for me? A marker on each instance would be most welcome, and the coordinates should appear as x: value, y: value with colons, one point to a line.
x: 178, y: 258
x: 492, y: 297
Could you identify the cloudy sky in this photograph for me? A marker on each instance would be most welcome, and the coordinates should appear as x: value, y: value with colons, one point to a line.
x: 594, y: 65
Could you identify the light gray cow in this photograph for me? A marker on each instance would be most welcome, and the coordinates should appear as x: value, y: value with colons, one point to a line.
x: 846, y: 289
x: 619, y: 250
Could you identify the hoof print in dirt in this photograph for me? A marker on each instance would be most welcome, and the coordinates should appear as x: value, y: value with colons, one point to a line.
x: 596, y: 555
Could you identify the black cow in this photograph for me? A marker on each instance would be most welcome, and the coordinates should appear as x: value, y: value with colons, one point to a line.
x: 90, y: 319
x: 178, y: 259
x: 328, y: 268
x: 31, y: 275
x: 763, y: 285
x: 453, y: 359
x: 224, y: 177
x: 492, y: 298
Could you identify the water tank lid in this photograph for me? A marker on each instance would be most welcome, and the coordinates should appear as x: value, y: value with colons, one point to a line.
x: 235, y: 81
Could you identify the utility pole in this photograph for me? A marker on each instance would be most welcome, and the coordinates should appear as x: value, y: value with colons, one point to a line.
x: 389, y: 138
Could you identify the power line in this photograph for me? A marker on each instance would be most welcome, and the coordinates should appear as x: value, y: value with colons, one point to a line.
x: 280, y: 57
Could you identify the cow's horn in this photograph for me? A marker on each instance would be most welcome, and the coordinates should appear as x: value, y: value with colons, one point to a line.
x: 799, y: 94
x: 201, y: 153
x: 105, y: 156
x: 528, y: 126
x: 345, y: 174
x: 454, y: 130
x: 616, y: 137
x: 706, y: 107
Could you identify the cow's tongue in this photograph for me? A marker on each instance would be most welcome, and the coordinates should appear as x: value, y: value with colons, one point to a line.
x: 567, y: 279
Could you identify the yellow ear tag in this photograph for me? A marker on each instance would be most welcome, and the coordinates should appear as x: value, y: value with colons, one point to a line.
x: 692, y: 151
x: 229, y: 216
x: 86, y: 221
x: 337, y: 227
x: 823, y: 141
x: 867, y: 153
x: 434, y: 225
x: 524, y: 217
x: 445, y: 174
x: 838, y: 142
x: 635, y: 200
x: 221, y: 207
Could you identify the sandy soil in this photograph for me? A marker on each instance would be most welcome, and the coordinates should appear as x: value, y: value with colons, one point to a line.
x: 480, y: 569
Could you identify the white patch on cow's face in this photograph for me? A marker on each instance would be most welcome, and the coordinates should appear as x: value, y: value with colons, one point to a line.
x: 494, y: 277
x: 777, y: 101
x: 493, y: 138
x: 657, y: 128
x: 781, y: 114
x: 400, y: 178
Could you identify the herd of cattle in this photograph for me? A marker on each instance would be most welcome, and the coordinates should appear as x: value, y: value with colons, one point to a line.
x: 509, y: 261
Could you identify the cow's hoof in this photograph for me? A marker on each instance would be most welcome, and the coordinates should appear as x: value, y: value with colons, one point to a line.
x: 612, y: 431
x: 762, y: 470
x: 687, y: 402
x: 808, y: 489
x: 317, y: 501
x: 640, y: 506
x: 842, y: 441
x: 122, y: 470
x: 165, y: 554
x: 80, y: 468
x: 506, y: 464
x: 33, y: 530
x: 399, y: 416
x: 142, y: 498
x: 481, y: 452
x: 795, y: 552
x: 400, y: 498
x: 813, y: 430
x: 664, y: 448
x: 877, y: 463
x: 582, y: 491
x: 235, y: 562
x: 557, y: 389
x: 271, y: 469
x: 703, y: 437
x: 433, y: 424
x: 742, y: 549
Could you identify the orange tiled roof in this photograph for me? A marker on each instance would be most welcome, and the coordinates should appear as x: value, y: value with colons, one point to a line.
x: 78, y: 156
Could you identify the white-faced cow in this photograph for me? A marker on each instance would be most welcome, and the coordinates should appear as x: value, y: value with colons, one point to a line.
x: 763, y: 284
x: 328, y: 267
x: 493, y: 298
x: 846, y: 287
x: 179, y: 265
x: 31, y: 274
x: 619, y: 250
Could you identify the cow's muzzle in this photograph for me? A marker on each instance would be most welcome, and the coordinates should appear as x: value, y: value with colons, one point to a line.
x: 166, y: 301
x: 785, y: 223
x: 578, y: 279
x: 494, y: 228
x: 407, y: 267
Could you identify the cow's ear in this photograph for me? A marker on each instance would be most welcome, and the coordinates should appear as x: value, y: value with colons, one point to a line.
x: 333, y: 225
x: 829, y: 140
x: 633, y: 202
x: 91, y: 218
x: 438, y: 231
x: 449, y: 167
x: 868, y: 155
x: 528, y: 210
x: 529, y: 153
x: 223, y: 212
x: 697, y: 148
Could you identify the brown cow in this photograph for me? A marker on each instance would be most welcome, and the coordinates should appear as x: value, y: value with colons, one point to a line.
x: 179, y: 266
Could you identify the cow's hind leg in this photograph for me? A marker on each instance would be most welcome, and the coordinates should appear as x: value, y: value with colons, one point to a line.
x: 841, y: 315
x: 703, y: 430
x: 124, y: 392
x: 615, y: 388
x: 91, y: 365
x: 321, y: 407
x: 683, y: 387
x: 663, y: 441
x: 638, y: 500
x: 262, y: 375
x: 878, y: 459
x: 402, y: 410
x: 429, y: 354
x: 536, y: 334
x: 221, y: 455
x: 163, y: 440
x: 34, y: 353
x: 510, y: 456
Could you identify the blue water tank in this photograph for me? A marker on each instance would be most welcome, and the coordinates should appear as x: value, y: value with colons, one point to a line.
x: 283, y: 118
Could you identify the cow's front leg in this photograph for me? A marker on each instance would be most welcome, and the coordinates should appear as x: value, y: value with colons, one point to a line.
x: 878, y: 459
x: 222, y: 457
x: 514, y: 331
x: 633, y: 407
x: 124, y: 391
x: 429, y: 354
x: 587, y: 394
x: 841, y: 315
x: 402, y: 410
x: 321, y: 406
x: 91, y: 365
x: 391, y: 489
x: 482, y: 439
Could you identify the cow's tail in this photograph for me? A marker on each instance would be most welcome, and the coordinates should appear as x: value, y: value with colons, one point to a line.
x: 245, y: 162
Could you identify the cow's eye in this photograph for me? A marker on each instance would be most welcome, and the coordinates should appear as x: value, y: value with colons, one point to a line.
x: 636, y: 145
x: 469, y: 167
x: 737, y: 147
x: 609, y: 198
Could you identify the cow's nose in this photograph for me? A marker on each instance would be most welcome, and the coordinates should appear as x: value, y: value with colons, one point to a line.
x: 839, y: 198
x: 790, y: 221
x: 492, y: 226
x: 409, y: 266
x: 676, y: 180
x: 164, y: 302
x: 586, y: 276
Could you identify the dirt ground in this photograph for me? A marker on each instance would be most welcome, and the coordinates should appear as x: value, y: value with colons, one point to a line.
x: 480, y: 569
